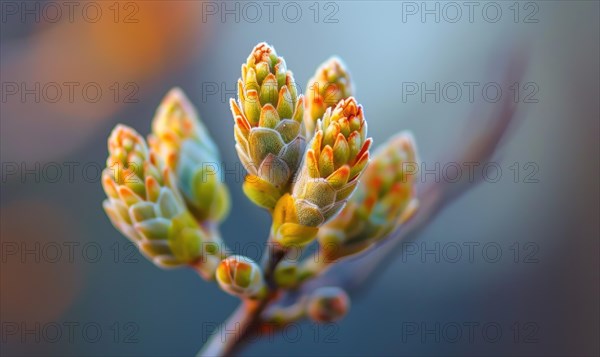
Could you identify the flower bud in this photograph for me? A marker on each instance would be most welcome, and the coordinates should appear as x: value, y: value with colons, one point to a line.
x: 268, y: 127
x: 241, y: 276
x: 327, y: 304
x: 332, y: 165
x: 330, y: 84
x: 183, y: 143
x: 384, y: 199
x: 145, y: 205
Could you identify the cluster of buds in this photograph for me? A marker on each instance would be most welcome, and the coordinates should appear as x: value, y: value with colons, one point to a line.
x: 384, y: 199
x: 303, y: 188
x: 268, y: 130
x: 145, y: 205
x: 168, y: 197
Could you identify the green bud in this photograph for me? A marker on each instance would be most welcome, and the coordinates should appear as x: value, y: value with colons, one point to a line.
x: 145, y: 205
x: 332, y: 165
x: 327, y: 304
x: 241, y: 276
x: 184, y: 145
x: 268, y: 123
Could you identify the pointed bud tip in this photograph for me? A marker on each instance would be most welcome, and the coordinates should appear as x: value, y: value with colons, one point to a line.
x: 175, y: 95
x: 262, y: 51
x: 122, y: 132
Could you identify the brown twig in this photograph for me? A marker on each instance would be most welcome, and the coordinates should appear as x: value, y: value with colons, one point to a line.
x: 231, y: 334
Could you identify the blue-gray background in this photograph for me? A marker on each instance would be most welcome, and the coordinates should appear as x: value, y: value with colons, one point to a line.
x: 545, y: 303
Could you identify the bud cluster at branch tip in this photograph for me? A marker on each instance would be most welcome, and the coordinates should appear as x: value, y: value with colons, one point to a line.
x: 145, y: 205
x: 268, y: 126
x: 307, y: 161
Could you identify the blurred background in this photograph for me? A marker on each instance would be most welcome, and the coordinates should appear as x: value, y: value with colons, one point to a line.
x: 511, y: 268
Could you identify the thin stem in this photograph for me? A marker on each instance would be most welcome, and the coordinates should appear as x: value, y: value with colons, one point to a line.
x: 233, y: 332
x: 246, y: 319
x: 275, y: 254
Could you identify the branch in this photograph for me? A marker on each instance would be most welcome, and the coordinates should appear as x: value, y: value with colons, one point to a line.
x: 246, y: 319
x: 232, y: 333
x: 352, y: 274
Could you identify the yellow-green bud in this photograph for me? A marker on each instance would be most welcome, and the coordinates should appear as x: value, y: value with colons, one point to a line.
x: 145, y: 205
x: 183, y: 143
x: 330, y: 84
x: 333, y: 163
x: 327, y: 304
x: 268, y: 125
x: 334, y: 160
x: 241, y: 276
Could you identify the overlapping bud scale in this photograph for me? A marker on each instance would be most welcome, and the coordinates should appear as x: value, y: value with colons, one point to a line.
x: 333, y: 162
x: 385, y: 198
x: 184, y: 145
x: 241, y: 276
x: 268, y: 125
x: 145, y: 205
x: 330, y: 84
